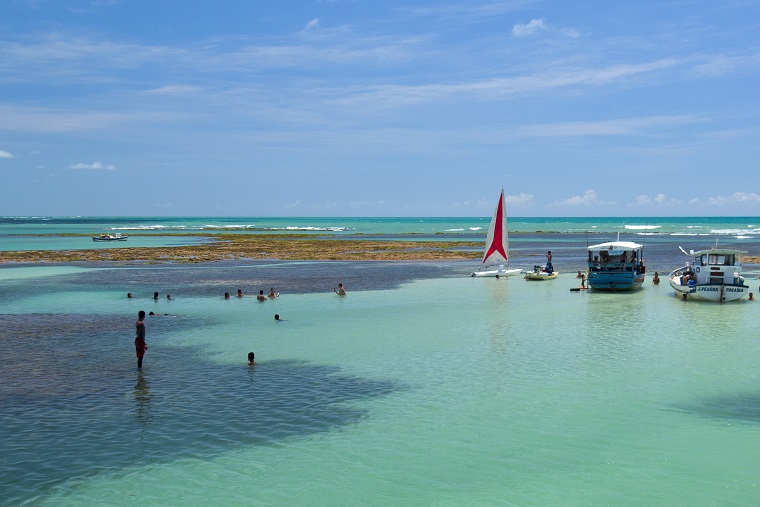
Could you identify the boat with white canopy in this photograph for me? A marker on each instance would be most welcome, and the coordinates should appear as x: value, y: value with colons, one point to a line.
x: 616, y: 266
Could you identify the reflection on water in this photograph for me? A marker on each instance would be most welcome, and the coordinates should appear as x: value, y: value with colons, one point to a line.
x: 142, y: 400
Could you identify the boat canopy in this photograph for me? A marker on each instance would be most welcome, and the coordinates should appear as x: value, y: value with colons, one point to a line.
x: 615, y: 246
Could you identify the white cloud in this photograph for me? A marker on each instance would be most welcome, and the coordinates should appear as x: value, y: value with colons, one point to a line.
x: 658, y: 200
x: 314, y: 23
x: 539, y: 25
x: 735, y: 198
x: 6, y: 154
x: 589, y: 198
x: 518, y: 200
x: 524, y: 30
x: 174, y: 90
x: 94, y: 166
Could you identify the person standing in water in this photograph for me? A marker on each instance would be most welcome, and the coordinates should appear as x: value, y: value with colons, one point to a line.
x: 340, y: 290
x: 140, y: 345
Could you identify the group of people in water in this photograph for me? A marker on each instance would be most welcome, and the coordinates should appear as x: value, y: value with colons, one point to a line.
x: 259, y: 297
x: 141, y: 346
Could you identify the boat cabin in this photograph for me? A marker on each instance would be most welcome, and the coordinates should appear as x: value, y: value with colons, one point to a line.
x: 715, y: 266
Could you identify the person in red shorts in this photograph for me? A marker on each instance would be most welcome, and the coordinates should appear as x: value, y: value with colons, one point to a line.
x: 140, y: 345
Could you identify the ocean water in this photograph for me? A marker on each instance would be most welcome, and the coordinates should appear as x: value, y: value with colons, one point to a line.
x: 72, y: 233
x: 728, y: 226
x: 422, y: 386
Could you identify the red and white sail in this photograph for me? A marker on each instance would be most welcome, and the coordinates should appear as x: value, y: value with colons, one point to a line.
x: 497, y: 242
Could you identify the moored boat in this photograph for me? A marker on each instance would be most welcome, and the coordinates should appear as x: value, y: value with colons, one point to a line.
x: 616, y: 266
x: 496, y: 253
x: 713, y: 275
x: 110, y: 237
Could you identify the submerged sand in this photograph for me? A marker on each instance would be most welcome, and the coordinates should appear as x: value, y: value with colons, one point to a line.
x: 237, y: 246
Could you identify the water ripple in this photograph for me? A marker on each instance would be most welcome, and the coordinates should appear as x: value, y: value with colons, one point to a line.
x: 69, y: 412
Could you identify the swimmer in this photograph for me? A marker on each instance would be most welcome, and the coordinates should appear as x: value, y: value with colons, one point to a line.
x: 272, y: 293
x: 251, y: 362
x: 656, y: 278
x: 751, y: 297
x: 169, y: 297
x: 240, y: 293
x: 261, y: 297
x: 340, y: 290
x: 277, y: 317
x: 155, y: 296
x: 683, y: 297
x: 129, y: 295
x: 226, y: 295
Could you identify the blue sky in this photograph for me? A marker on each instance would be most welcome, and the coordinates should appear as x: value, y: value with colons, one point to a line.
x: 359, y: 108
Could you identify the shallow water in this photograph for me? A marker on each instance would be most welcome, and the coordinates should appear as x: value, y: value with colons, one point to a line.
x: 422, y: 386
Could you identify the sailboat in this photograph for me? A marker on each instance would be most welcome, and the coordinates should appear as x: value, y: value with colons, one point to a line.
x: 496, y: 253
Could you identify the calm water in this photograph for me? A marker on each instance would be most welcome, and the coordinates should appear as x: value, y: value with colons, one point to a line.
x: 421, y: 387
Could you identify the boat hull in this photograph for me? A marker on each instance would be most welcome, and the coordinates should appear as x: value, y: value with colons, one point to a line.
x: 615, y: 281
x: 496, y: 272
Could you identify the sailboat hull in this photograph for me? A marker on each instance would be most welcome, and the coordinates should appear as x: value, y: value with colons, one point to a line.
x: 497, y: 272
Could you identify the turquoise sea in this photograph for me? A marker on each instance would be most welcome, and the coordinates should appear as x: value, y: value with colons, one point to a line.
x: 422, y: 386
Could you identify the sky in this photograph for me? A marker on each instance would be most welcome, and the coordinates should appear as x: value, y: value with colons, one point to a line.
x: 366, y: 108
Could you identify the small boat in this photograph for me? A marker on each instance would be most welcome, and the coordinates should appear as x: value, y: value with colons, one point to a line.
x: 540, y: 273
x: 110, y: 237
x: 713, y: 275
x: 495, y: 255
x: 616, y: 266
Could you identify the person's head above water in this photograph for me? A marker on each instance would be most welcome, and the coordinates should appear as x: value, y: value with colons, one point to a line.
x: 276, y: 316
x: 250, y: 358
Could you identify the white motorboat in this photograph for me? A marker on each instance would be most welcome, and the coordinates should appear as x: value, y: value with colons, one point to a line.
x: 713, y: 275
x: 496, y: 253
x: 110, y: 237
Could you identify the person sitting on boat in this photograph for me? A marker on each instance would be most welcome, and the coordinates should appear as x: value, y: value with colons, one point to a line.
x: 624, y: 257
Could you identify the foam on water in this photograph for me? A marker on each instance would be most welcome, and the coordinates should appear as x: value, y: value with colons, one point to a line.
x: 438, y: 391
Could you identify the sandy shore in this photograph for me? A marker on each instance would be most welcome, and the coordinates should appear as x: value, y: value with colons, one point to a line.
x: 226, y: 247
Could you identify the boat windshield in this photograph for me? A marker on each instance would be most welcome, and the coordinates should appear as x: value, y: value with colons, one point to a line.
x: 718, y: 259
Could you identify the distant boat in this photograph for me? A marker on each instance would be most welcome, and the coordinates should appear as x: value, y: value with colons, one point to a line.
x: 540, y: 273
x: 616, y: 266
x: 110, y: 237
x: 713, y: 275
x: 496, y: 252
